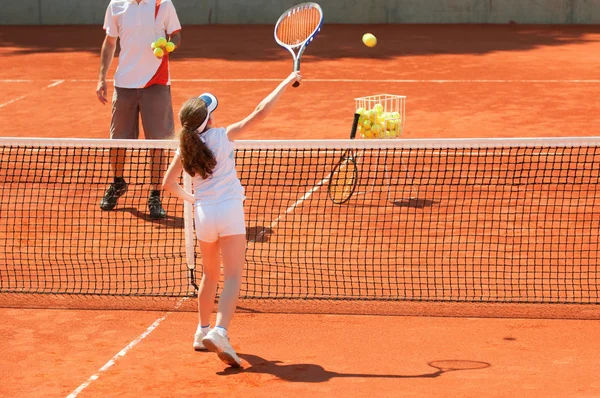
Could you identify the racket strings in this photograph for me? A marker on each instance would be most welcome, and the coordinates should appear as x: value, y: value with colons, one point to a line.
x: 298, y: 26
x: 343, y: 181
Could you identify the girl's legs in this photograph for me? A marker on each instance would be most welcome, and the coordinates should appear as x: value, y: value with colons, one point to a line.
x: 233, y: 250
x: 210, y: 279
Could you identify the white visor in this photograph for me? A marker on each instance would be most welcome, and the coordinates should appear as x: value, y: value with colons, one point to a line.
x: 211, y: 104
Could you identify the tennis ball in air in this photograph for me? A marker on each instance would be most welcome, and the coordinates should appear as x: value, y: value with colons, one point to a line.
x: 170, y: 47
x: 159, y: 52
x: 369, y: 40
x: 161, y: 42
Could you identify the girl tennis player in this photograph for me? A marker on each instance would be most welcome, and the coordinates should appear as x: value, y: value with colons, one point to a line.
x: 206, y: 153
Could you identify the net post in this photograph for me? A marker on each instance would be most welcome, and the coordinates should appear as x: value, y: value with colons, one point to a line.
x: 188, y: 222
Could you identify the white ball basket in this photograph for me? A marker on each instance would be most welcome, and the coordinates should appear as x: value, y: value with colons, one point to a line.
x: 382, y: 116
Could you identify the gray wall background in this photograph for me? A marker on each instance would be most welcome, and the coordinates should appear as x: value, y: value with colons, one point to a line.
x: 201, y: 12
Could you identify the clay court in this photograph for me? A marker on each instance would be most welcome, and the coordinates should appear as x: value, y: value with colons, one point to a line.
x: 461, y: 81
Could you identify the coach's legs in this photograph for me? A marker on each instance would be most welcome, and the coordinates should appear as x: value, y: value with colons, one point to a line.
x: 124, y: 125
x: 157, y: 118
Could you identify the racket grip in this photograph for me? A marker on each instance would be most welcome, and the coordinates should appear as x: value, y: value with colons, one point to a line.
x: 354, y: 125
x: 296, y: 84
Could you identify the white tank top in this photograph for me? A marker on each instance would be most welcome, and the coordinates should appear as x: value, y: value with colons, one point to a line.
x: 224, y: 183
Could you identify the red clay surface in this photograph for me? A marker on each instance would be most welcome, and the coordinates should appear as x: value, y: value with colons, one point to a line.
x: 461, y: 81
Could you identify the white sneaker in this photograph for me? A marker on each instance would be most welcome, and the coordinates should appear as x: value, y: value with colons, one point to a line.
x: 217, y: 341
x: 198, y: 346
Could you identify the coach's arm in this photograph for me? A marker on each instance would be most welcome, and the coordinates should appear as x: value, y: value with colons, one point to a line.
x: 106, y: 57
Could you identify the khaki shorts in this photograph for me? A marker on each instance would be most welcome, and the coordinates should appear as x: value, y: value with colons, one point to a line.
x: 154, y: 104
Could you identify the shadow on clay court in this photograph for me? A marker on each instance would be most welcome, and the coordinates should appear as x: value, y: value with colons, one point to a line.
x: 312, y: 373
x: 167, y: 222
x: 415, y: 203
x: 239, y: 42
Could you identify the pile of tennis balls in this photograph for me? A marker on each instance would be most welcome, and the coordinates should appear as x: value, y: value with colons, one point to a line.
x: 375, y: 123
x: 160, y: 46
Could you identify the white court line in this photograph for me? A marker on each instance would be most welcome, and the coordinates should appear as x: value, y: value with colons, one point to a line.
x: 13, y: 100
x: 124, y: 351
x: 407, y: 81
x: 54, y: 84
x: 302, y: 199
x: 17, y: 81
x: 292, y: 207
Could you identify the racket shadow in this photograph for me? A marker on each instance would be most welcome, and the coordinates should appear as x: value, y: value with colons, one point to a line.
x: 313, y: 373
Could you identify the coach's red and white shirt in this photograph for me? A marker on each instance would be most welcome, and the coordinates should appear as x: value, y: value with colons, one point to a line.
x: 138, y: 25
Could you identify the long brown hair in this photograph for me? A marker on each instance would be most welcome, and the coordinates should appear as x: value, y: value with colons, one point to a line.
x: 195, y: 156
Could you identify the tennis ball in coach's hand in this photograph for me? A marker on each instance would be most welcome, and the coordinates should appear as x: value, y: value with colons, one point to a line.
x: 162, y: 42
x: 369, y: 40
x: 170, y: 47
x: 159, y: 52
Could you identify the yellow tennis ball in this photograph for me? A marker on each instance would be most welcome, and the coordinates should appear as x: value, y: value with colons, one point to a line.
x: 170, y: 47
x: 373, y: 116
x: 153, y: 45
x: 369, y: 40
x: 375, y: 129
x: 161, y: 42
x: 367, y: 124
x: 378, y: 108
x: 361, y: 111
x: 159, y: 52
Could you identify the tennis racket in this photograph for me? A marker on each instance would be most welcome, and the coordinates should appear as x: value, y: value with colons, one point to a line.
x: 296, y: 28
x: 344, y: 177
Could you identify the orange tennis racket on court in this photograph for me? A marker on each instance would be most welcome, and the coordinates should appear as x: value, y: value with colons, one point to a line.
x: 296, y: 28
x: 344, y: 177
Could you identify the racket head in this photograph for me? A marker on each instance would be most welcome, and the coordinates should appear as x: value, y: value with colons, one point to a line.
x: 344, y: 177
x: 343, y: 181
x: 298, y: 25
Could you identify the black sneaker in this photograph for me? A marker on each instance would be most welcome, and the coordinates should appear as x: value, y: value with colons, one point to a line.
x: 114, y: 192
x: 155, y: 206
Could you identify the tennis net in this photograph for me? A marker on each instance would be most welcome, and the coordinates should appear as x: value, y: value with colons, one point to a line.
x: 491, y: 220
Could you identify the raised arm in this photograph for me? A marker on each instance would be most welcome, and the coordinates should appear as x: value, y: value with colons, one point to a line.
x: 106, y: 57
x: 263, y: 109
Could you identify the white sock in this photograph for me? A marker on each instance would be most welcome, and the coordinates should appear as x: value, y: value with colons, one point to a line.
x: 222, y: 331
x: 203, y: 329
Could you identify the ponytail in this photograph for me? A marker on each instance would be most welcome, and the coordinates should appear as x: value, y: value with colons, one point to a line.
x: 196, y: 157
